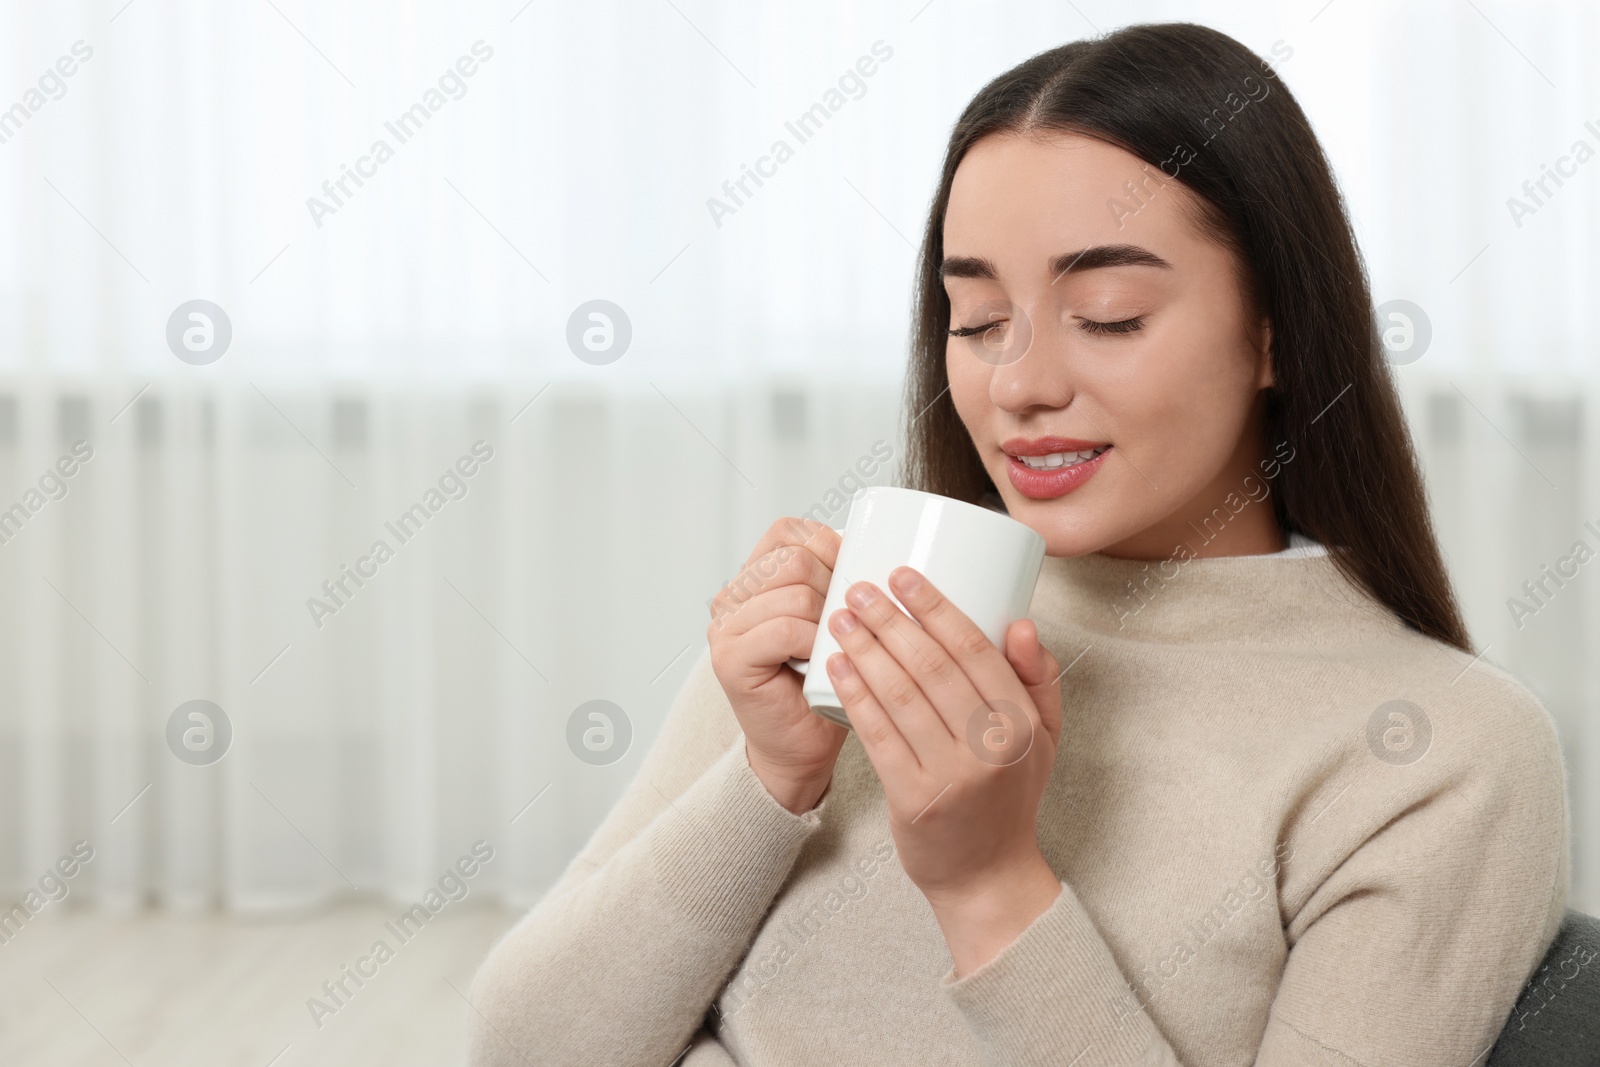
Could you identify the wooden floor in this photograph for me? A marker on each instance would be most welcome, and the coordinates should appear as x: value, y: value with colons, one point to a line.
x: 92, y: 990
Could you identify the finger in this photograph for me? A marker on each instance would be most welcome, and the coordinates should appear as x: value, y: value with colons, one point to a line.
x: 784, y: 565
x: 801, y: 601
x: 799, y: 532
x: 1033, y: 663
x: 895, y: 690
x: 986, y: 667
x: 946, y: 686
x: 891, y: 755
x: 771, y: 643
x: 1039, y: 671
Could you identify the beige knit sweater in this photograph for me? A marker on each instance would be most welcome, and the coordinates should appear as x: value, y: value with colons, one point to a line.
x: 1288, y: 830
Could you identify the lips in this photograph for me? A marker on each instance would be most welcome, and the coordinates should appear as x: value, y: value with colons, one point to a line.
x: 1043, y: 446
x: 1047, y: 467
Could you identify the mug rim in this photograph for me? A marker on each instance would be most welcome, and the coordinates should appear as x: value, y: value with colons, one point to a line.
x: 1013, y: 520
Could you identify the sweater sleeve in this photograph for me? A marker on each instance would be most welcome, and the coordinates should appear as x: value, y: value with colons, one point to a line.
x: 619, y: 962
x: 1408, y: 946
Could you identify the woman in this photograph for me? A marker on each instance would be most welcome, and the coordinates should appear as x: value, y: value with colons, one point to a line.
x: 1267, y: 806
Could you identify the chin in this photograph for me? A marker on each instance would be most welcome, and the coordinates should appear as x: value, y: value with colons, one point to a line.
x: 1064, y: 534
x: 1072, y: 543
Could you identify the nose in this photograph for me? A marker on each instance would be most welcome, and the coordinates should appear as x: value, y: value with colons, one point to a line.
x: 1037, y: 377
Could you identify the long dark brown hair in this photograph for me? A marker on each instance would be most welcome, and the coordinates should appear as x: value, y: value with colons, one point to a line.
x: 1264, y: 190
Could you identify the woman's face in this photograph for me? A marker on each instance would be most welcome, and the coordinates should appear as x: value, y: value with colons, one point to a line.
x: 1035, y: 245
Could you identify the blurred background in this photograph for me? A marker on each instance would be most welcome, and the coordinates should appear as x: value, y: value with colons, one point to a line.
x: 544, y: 347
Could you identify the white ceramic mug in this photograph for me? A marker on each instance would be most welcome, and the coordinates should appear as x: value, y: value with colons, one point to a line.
x: 985, y: 562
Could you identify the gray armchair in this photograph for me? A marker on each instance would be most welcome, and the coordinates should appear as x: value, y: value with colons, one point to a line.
x: 1556, y: 1022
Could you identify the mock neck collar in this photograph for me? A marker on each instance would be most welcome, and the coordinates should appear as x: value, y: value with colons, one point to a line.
x: 1275, y: 599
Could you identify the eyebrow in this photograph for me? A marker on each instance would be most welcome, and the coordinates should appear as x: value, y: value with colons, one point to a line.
x: 1091, y: 258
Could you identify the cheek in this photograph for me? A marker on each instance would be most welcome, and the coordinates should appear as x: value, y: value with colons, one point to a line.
x: 969, y: 387
x: 1186, y: 399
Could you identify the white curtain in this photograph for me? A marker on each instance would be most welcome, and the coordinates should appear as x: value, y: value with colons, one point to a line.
x: 373, y: 345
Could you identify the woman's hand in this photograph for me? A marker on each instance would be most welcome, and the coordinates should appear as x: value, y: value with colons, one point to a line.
x: 963, y: 738
x: 768, y: 613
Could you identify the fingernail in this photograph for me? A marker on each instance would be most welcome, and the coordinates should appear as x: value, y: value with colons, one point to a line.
x: 861, y: 594
x: 839, y: 664
x: 844, y: 622
x: 907, y: 581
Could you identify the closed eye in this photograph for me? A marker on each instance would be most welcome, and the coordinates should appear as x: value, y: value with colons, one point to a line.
x: 1122, y: 326
x: 1086, y: 325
